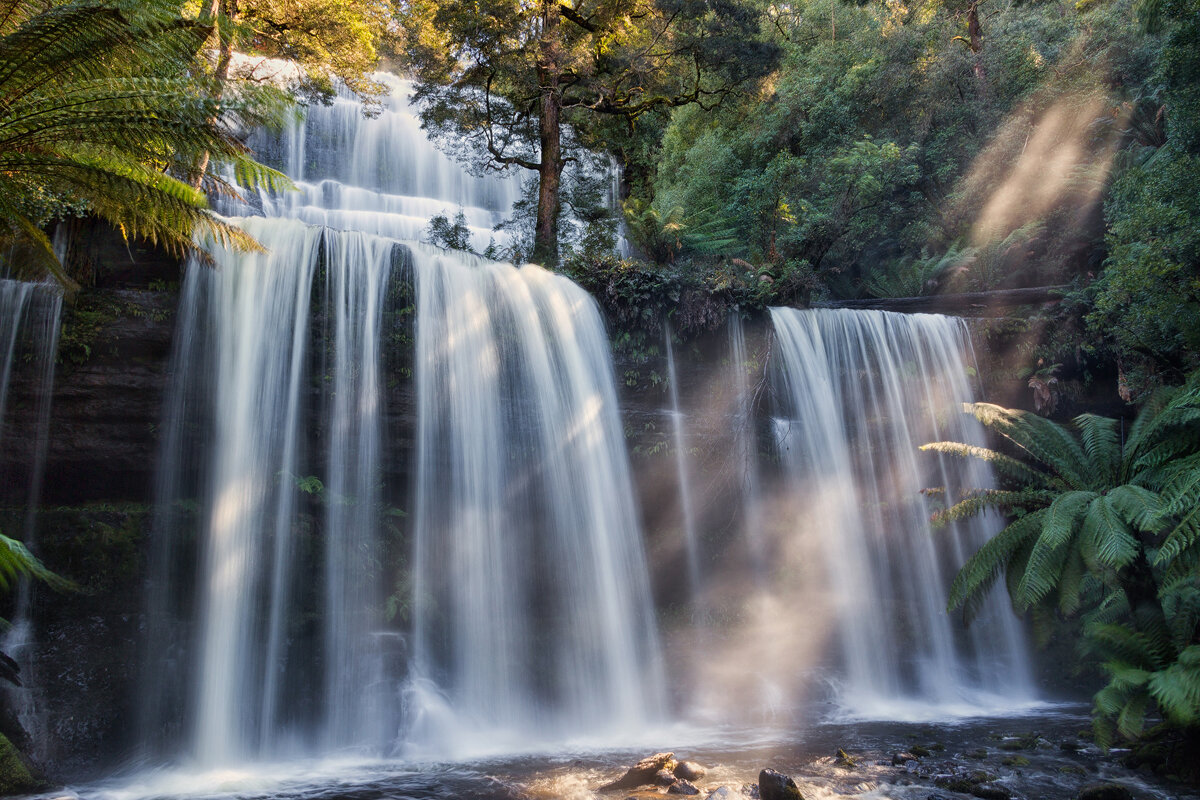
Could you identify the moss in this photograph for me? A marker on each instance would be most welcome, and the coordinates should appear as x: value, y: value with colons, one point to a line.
x: 14, y: 775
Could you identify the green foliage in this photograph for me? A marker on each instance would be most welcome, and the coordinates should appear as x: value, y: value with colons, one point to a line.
x: 913, y: 277
x: 509, y: 84
x: 17, y: 562
x: 97, y: 99
x: 694, y: 296
x: 449, y: 235
x: 1147, y: 299
x: 331, y: 40
x: 1106, y: 526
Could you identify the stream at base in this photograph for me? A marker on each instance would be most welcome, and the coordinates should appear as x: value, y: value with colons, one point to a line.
x: 1042, y: 754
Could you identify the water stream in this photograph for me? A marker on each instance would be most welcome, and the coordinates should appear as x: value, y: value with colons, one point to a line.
x: 856, y: 393
x: 30, y: 315
x: 416, y: 617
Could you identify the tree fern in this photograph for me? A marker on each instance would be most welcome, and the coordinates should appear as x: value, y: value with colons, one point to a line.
x: 99, y: 102
x: 1106, y: 528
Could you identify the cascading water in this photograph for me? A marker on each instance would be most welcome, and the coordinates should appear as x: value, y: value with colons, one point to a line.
x: 29, y: 319
x: 683, y: 475
x: 746, y: 442
x: 532, y: 602
x: 858, y: 392
x: 309, y: 618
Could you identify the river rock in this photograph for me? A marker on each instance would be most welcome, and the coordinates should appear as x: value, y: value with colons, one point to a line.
x: 1105, y: 791
x: 774, y: 785
x: 14, y: 775
x: 664, y: 777
x: 682, y: 787
x: 689, y: 771
x: 643, y: 773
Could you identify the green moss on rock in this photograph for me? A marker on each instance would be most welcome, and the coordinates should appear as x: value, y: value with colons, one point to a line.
x: 14, y: 775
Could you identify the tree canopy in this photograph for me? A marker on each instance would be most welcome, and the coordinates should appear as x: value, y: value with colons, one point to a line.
x: 509, y: 77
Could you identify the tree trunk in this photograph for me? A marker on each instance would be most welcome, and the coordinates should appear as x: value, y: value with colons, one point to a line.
x: 224, y: 58
x: 975, y: 35
x: 545, y: 240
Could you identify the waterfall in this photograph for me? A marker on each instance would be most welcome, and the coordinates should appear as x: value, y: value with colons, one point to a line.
x: 683, y: 476
x: 857, y: 393
x: 532, y: 605
x: 502, y: 591
x: 746, y: 443
x: 29, y: 326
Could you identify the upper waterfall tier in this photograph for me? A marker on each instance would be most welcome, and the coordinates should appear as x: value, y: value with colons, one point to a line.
x: 380, y: 175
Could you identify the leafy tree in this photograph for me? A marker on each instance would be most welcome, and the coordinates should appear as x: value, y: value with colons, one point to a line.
x: 95, y: 105
x: 512, y: 77
x: 1105, y: 522
x: 1147, y: 300
x: 330, y: 40
x: 450, y: 235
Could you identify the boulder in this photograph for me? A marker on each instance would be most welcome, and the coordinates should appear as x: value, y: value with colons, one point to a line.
x: 14, y: 775
x: 682, y: 787
x: 774, y: 785
x: 664, y: 777
x: 689, y: 771
x: 1105, y: 791
x: 643, y: 773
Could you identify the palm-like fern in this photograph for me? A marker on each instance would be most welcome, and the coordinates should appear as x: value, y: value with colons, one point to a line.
x: 99, y: 101
x: 1104, y: 521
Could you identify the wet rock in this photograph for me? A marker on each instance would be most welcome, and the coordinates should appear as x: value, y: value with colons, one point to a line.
x: 689, y: 771
x: 1070, y: 746
x: 937, y: 797
x: 643, y: 773
x: 774, y: 785
x: 902, y: 759
x: 722, y: 793
x: 664, y: 777
x: 1015, y: 761
x: 1105, y: 791
x: 920, y: 752
x: 751, y: 791
x: 991, y: 791
x: 14, y: 775
x: 682, y: 787
x: 845, y: 760
x: 979, y: 754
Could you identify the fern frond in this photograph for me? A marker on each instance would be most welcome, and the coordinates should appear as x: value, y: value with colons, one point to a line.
x: 1176, y: 689
x: 1099, y: 436
x: 976, y: 501
x: 1004, y: 465
x: 1045, y: 441
x: 17, y: 562
x: 1106, y: 541
x: 980, y: 571
x: 1059, y: 527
